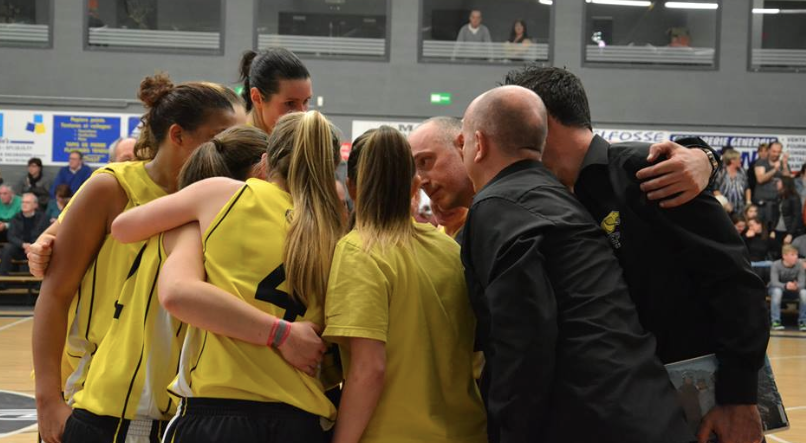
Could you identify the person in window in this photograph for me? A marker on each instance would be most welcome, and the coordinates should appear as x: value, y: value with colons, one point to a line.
x: 517, y: 45
x: 679, y: 37
x: 473, y: 32
x: 790, y: 223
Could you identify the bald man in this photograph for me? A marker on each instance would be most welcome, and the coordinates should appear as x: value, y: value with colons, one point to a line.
x: 567, y: 360
x: 122, y: 150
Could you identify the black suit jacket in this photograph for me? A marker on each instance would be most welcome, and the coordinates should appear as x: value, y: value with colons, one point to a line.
x: 16, y: 230
x: 566, y: 357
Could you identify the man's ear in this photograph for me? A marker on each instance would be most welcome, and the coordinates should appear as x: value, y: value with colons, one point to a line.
x: 459, y: 143
x: 482, y: 146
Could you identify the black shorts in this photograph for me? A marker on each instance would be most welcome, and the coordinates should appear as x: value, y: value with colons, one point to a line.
x: 201, y: 420
x: 85, y: 427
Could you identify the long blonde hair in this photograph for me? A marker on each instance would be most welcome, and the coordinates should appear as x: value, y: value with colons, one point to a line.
x: 302, y: 151
x: 384, y: 179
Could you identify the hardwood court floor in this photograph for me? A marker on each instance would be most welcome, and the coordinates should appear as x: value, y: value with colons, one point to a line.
x: 787, y: 352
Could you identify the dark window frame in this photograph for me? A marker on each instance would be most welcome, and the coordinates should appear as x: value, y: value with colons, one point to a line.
x: 763, y: 69
x: 48, y: 45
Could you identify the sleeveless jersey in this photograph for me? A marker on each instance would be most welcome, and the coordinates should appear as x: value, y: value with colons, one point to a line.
x: 93, y: 307
x: 139, y: 355
x: 243, y: 253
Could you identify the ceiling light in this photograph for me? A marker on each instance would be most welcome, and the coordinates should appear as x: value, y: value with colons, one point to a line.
x: 690, y: 5
x: 766, y: 11
x: 621, y: 3
x: 546, y: 2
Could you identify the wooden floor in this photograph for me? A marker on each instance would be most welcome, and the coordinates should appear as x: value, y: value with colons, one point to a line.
x: 787, y: 352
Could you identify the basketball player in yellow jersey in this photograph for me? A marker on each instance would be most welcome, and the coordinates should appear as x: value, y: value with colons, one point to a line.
x: 268, y: 244
x: 397, y: 305
x: 89, y: 266
x: 137, y: 359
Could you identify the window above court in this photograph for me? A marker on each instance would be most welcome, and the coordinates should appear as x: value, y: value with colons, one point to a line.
x: 652, y: 33
x: 183, y: 26
x: 485, y: 31
x: 339, y: 29
x: 26, y: 23
x: 778, y: 35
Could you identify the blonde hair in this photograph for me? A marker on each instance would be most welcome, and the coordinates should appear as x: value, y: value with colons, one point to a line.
x: 729, y: 156
x: 302, y: 151
x: 788, y: 248
x: 384, y: 177
x: 232, y: 153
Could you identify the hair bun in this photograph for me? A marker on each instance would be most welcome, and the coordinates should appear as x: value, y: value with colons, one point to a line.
x: 153, y: 88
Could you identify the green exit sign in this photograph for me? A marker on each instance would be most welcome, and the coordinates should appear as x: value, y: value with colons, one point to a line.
x: 440, y: 98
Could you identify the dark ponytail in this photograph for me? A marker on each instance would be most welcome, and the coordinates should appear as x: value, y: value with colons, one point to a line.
x: 265, y: 69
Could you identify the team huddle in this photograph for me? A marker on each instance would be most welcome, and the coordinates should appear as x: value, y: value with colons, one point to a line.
x: 217, y: 288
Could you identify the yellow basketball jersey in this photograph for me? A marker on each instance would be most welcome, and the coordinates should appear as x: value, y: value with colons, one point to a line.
x: 243, y: 255
x: 414, y: 299
x: 139, y: 355
x: 93, y: 307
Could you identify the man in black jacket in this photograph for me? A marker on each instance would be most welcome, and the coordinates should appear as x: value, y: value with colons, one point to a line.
x: 23, y: 230
x: 686, y: 268
x: 567, y: 359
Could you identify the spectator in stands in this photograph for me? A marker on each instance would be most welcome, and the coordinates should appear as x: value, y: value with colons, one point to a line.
x: 740, y: 223
x: 790, y: 222
x: 74, y: 174
x: 10, y: 206
x: 750, y: 211
x: 800, y: 183
x: 799, y: 243
x: 787, y: 276
x: 23, y: 230
x: 56, y: 206
x: 767, y: 171
x: 518, y: 43
x: 35, y: 183
x: 761, y: 154
x: 473, y: 32
x: 760, y: 247
x: 122, y: 150
x: 731, y: 181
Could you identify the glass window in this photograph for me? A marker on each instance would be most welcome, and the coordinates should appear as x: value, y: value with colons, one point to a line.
x: 778, y: 35
x: 678, y: 33
x: 474, y: 31
x: 325, y: 28
x: 26, y: 23
x: 161, y: 25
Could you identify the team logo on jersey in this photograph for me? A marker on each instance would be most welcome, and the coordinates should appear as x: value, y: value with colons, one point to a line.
x: 17, y: 413
x: 610, y: 225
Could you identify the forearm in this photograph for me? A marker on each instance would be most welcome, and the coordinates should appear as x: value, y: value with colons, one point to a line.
x: 362, y: 391
x: 766, y: 176
x: 208, y: 307
x: 49, y: 331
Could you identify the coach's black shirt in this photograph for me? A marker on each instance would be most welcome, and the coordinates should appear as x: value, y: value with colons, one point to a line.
x: 566, y: 357
x: 687, y: 269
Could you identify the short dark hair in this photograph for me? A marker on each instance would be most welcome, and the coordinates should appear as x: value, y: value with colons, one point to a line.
x: 76, y: 151
x: 35, y: 161
x: 561, y: 91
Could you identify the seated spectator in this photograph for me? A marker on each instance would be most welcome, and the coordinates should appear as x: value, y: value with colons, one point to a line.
x: 23, y: 230
x: 55, y: 208
x: 473, y: 32
x: 787, y: 276
x: 760, y: 247
x: 35, y: 183
x: 517, y: 45
x: 10, y: 205
x: 799, y: 243
x: 74, y: 174
x: 750, y: 211
x: 731, y: 181
x: 740, y: 223
x: 122, y: 150
x: 790, y: 222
